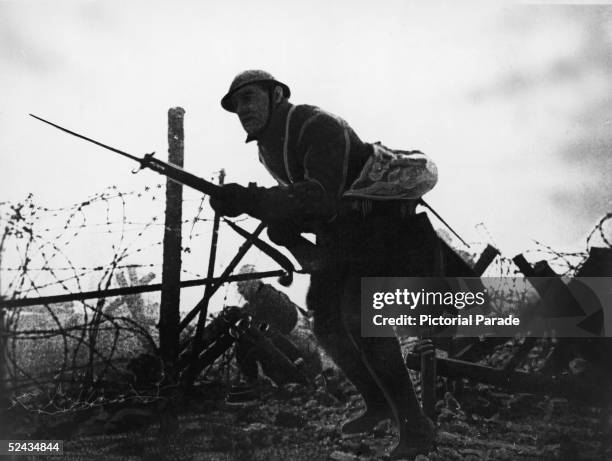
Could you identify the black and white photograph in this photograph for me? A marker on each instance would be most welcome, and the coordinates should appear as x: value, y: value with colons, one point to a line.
x: 325, y: 230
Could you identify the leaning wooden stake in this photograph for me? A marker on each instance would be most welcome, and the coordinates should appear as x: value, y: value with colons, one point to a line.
x: 197, y: 341
x: 428, y: 382
x: 485, y: 259
x: 169, y: 317
x: 518, y: 381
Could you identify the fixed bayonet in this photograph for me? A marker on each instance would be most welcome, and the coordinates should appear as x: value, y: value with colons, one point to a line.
x: 173, y: 172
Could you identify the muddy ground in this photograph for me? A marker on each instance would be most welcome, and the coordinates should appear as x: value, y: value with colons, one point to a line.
x: 295, y: 423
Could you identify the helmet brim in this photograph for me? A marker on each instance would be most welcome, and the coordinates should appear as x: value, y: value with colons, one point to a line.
x: 226, y: 101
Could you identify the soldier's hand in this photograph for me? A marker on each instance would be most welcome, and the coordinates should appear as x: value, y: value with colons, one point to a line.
x: 235, y: 200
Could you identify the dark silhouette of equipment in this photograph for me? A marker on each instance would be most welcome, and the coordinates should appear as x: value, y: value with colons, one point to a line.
x: 234, y: 325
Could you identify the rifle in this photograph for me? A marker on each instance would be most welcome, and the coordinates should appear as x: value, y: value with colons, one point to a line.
x: 301, y: 248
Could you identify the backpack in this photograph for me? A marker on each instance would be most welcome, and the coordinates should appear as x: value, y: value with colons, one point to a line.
x: 390, y: 174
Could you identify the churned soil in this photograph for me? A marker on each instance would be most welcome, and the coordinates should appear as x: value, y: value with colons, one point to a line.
x: 476, y: 422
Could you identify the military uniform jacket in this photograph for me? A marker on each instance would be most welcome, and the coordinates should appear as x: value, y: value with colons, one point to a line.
x: 315, y: 154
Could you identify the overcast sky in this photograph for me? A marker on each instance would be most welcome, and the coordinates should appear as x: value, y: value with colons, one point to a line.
x: 513, y: 102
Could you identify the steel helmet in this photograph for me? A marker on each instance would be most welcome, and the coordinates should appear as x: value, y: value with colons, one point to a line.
x: 249, y: 77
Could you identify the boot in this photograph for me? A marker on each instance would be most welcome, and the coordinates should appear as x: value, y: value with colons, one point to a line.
x: 367, y: 419
x: 415, y: 438
x: 383, y: 358
x: 376, y: 407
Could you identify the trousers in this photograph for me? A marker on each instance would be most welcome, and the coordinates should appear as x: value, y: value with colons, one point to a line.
x: 379, y: 245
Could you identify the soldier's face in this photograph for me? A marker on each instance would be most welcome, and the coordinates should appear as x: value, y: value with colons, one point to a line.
x: 252, y: 105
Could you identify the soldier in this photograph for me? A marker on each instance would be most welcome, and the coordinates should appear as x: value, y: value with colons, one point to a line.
x: 266, y: 304
x: 318, y: 160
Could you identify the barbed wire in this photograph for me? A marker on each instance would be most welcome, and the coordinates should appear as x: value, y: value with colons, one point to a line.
x: 50, y: 248
x: 45, y: 248
x: 49, y: 242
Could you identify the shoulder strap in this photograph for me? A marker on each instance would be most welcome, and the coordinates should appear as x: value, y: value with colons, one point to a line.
x: 286, y: 145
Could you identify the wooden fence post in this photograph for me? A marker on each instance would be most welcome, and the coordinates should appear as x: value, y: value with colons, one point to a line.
x: 169, y: 315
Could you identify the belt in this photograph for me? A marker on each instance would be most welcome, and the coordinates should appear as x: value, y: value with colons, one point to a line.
x: 378, y: 208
